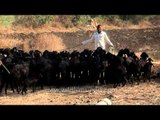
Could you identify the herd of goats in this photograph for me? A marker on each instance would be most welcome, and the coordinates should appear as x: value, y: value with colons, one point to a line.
x: 21, y: 70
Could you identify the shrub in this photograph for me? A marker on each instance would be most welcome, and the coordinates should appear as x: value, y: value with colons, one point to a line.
x: 33, y: 20
x: 7, y: 21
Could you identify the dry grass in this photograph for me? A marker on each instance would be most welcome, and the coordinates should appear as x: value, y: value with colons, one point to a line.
x: 4, y: 43
x: 56, y: 26
x: 46, y: 42
x: 141, y: 25
x: 41, y: 42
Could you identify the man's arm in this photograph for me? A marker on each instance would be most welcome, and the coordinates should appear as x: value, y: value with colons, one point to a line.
x: 88, y: 41
x: 108, y: 40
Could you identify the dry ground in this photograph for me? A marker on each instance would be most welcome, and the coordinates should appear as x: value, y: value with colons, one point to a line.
x: 142, y: 94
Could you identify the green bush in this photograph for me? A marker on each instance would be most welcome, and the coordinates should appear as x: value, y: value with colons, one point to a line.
x: 33, y: 20
x: 7, y: 20
x: 66, y: 20
x: 69, y: 21
x: 83, y: 20
x: 134, y: 19
x: 112, y: 18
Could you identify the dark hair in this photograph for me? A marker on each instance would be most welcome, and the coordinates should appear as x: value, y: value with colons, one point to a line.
x: 99, y: 26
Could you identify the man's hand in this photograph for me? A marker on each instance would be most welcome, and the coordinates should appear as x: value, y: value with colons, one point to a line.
x: 112, y: 49
x: 112, y: 46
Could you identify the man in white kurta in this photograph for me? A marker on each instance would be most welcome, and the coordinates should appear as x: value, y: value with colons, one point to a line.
x: 100, y: 38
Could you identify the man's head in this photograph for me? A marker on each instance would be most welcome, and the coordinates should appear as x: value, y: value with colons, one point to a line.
x: 99, y: 28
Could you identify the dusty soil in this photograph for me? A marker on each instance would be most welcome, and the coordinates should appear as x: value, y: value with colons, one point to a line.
x: 142, y: 94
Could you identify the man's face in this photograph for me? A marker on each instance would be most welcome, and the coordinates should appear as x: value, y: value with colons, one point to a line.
x: 99, y: 29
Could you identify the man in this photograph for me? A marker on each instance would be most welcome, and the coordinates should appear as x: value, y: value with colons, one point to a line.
x: 100, y: 39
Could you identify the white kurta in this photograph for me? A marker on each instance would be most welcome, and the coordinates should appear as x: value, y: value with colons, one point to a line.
x: 100, y: 40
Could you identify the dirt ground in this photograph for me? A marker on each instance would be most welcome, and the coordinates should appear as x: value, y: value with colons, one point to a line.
x: 142, y: 94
